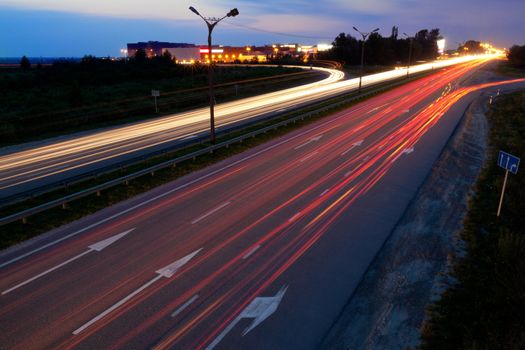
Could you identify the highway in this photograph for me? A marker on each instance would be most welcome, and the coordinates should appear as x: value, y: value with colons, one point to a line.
x: 260, y: 251
x: 31, y: 166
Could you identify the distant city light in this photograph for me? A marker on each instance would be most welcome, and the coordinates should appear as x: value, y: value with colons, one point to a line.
x: 212, y: 51
x: 441, y: 46
x: 323, y: 47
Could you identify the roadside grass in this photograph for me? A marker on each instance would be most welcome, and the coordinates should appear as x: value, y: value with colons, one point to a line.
x: 34, y: 107
x: 483, y: 307
x: 505, y: 68
x: 17, y: 232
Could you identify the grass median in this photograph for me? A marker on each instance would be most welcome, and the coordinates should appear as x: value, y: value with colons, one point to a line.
x: 484, y: 306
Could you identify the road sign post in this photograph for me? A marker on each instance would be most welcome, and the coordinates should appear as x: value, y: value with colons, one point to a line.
x: 509, y: 163
x: 155, y: 94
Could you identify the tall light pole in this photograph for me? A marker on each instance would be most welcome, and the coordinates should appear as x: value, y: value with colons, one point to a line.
x: 409, y: 51
x: 364, y: 35
x: 211, y: 22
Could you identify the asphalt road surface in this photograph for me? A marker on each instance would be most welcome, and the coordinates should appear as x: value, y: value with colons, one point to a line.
x: 32, y: 166
x: 260, y: 251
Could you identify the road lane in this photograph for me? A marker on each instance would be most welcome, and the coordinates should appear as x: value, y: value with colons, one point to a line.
x: 55, y: 161
x: 278, y: 209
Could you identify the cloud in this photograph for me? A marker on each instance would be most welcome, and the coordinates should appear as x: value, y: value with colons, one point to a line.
x: 499, y: 21
x: 151, y: 9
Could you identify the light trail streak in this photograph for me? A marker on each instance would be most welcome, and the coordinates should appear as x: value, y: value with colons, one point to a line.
x: 28, y: 166
x: 257, y: 243
x: 284, y: 227
x: 406, y: 137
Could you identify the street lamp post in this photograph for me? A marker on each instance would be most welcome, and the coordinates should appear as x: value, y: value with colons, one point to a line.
x: 364, y: 35
x: 211, y: 22
x: 409, y: 51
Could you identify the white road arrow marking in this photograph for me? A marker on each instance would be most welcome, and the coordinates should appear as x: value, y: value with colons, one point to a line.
x: 166, y: 272
x: 172, y: 268
x: 99, y: 246
x: 354, y: 145
x: 408, y: 150
x: 313, y: 139
x: 259, y: 309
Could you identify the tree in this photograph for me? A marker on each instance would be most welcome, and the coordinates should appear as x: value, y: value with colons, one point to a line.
x: 24, y: 63
x: 516, y: 55
x: 383, y: 50
x: 395, y: 32
x: 427, y: 44
x: 167, y: 58
x: 140, y: 57
x: 344, y: 48
x: 471, y: 47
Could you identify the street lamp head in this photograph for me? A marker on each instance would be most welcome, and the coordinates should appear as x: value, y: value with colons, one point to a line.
x: 405, y: 34
x: 375, y: 30
x: 355, y: 29
x: 192, y: 9
x: 234, y: 12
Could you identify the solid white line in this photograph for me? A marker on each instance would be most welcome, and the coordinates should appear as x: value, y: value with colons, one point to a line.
x: 200, y: 218
x: 324, y: 192
x: 117, y: 305
x: 308, y: 156
x: 188, y: 137
x: 253, y: 250
x: 167, y: 193
x: 294, y: 217
x: 46, y: 272
x: 185, y: 305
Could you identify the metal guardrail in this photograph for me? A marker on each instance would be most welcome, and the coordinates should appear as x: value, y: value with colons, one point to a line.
x: 151, y: 170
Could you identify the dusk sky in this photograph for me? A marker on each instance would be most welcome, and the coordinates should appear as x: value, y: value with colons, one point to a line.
x: 51, y: 28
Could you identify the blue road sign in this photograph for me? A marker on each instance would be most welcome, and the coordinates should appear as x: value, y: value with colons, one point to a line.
x: 508, y: 161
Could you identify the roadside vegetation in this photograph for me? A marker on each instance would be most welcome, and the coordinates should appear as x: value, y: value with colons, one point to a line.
x: 515, y: 66
x: 39, y: 102
x: 483, y: 307
x: 384, y: 51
